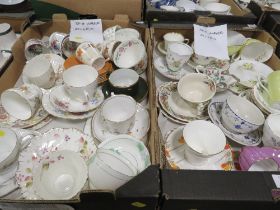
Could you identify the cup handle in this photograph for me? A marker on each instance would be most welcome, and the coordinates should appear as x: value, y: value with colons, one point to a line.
x: 86, y: 95
x: 200, y: 109
x: 186, y: 41
x: 26, y: 139
x: 235, y: 57
x: 261, y: 85
x: 199, y: 69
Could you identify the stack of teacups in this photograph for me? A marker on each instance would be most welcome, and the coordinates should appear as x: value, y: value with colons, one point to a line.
x: 10, y: 146
x: 178, y: 52
x: 23, y: 102
x: 240, y: 115
x: 196, y: 91
x: 203, y: 140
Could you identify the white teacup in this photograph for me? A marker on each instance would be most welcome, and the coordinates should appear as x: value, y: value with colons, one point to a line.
x: 7, y: 36
x: 39, y: 71
x: 177, y: 55
x: 88, y: 54
x: 108, y: 48
x: 271, y: 131
x: 21, y: 102
x: 55, y: 41
x: 119, y: 113
x: 203, y: 140
x: 173, y: 37
x: 80, y: 82
x: 34, y: 47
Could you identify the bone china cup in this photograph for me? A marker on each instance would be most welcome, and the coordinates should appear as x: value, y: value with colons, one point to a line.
x: 88, y: 54
x: 55, y: 41
x: 119, y: 113
x: 173, y: 37
x: 271, y: 131
x: 108, y: 48
x: 7, y: 36
x: 240, y: 115
x: 80, y: 82
x: 124, y: 81
x: 9, y: 147
x: 177, y: 55
x: 39, y: 71
x: 203, y: 140
x: 21, y: 102
x: 34, y: 47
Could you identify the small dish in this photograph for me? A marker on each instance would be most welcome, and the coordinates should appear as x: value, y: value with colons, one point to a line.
x: 161, y: 66
x: 57, y: 63
x: 175, y: 150
x: 218, y: 8
x: 164, y: 92
x: 56, y: 112
x: 139, y: 95
x: 257, y: 51
x: 220, y: 64
x: 247, y: 71
x: 8, y: 120
x: 60, y: 175
x: 139, y: 130
x: 60, y: 99
x: 250, y: 139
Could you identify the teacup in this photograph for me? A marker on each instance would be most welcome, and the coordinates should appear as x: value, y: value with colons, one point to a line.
x: 88, y: 54
x: 119, y: 113
x: 39, y: 71
x: 177, y: 55
x: 21, y: 102
x: 68, y: 48
x: 124, y: 81
x: 203, y: 140
x: 80, y: 82
x: 240, y: 115
x: 34, y: 47
x: 126, y: 34
x: 131, y: 55
x: 271, y: 131
x: 7, y: 36
x: 108, y: 48
x: 173, y: 37
x: 55, y: 41
x: 218, y: 8
x: 273, y: 88
x: 197, y: 89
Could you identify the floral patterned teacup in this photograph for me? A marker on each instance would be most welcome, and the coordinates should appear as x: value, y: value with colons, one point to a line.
x: 55, y: 41
x: 34, y: 47
x: 177, y: 55
x: 21, y: 102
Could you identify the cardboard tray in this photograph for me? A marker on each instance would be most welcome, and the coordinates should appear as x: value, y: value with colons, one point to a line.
x: 144, y: 189
x: 261, y: 12
x: 200, y: 189
x: 239, y: 16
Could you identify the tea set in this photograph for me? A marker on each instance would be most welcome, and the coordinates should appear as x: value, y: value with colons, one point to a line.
x: 240, y: 118
x: 59, y: 163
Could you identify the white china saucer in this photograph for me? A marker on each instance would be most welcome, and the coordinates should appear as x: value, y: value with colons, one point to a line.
x: 164, y: 92
x: 247, y: 71
x: 60, y: 99
x: 54, y: 111
x: 133, y: 150
x: 8, y: 173
x: 57, y: 64
x: 160, y: 47
x: 220, y: 64
x: 250, y: 139
x: 175, y: 154
x: 161, y: 66
x: 139, y: 130
x: 10, y: 121
x: 53, y: 140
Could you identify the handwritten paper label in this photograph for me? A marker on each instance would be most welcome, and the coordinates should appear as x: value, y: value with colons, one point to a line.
x: 211, y: 41
x: 276, y: 179
x: 86, y: 30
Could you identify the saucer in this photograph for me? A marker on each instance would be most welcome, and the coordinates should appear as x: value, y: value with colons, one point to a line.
x: 249, y: 139
x: 139, y: 129
x: 9, y: 121
x: 247, y: 71
x: 175, y: 154
x: 57, y: 64
x: 160, y: 47
x: 220, y: 64
x: 54, y: 111
x: 60, y: 99
x: 142, y: 90
x: 161, y: 66
x: 164, y: 92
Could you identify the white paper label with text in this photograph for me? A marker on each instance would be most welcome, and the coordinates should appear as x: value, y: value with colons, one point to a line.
x: 211, y: 41
x: 86, y: 30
